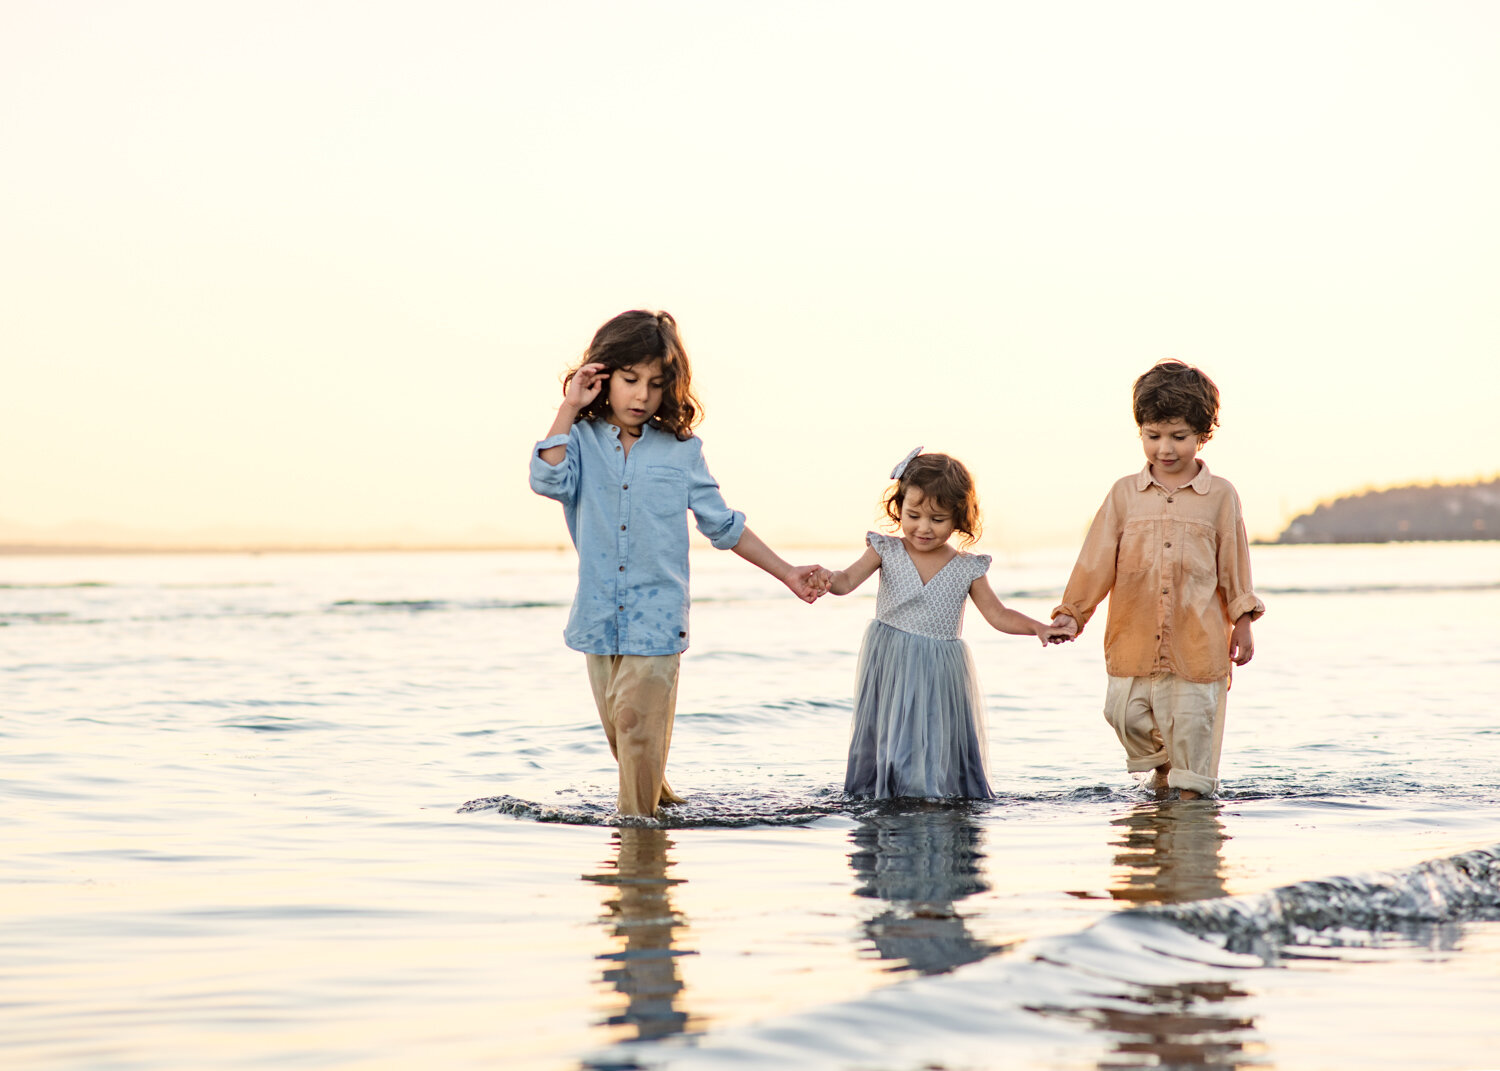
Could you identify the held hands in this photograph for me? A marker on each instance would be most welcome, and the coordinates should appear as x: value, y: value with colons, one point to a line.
x: 1050, y: 634
x: 1062, y: 630
x: 808, y: 582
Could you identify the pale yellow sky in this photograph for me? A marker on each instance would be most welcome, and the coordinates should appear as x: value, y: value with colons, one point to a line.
x: 311, y: 271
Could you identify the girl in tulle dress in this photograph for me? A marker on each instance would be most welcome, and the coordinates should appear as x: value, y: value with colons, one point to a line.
x: 918, y: 712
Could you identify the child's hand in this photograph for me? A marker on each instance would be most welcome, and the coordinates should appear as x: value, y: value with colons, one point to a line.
x: 1241, y: 641
x: 585, y: 385
x: 808, y: 582
x: 1050, y: 634
x: 821, y: 581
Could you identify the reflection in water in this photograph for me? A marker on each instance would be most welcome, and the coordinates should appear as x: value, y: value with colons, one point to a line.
x: 639, y: 911
x: 1169, y: 853
x: 921, y: 863
x: 1187, y: 1027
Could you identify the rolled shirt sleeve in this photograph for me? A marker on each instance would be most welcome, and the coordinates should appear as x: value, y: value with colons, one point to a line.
x: 1234, y: 568
x: 558, y: 481
x: 720, y: 524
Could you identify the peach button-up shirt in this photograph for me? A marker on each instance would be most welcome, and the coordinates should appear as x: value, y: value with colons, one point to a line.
x: 1176, y: 568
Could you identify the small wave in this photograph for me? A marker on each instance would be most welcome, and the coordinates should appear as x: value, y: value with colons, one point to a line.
x: 218, y: 585
x: 414, y: 605
x: 737, y: 810
x: 429, y: 605
x: 64, y: 585
x: 1380, y: 589
x: 1459, y: 888
x: 703, y: 809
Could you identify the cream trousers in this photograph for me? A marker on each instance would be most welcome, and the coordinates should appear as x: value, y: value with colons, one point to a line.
x: 637, y: 700
x: 1167, y: 719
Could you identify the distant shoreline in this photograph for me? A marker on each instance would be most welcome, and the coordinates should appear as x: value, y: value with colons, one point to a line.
x: 1368, y: 541
x: 1415, y: 513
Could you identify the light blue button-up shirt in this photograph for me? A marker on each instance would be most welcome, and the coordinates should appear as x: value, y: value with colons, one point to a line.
x: 627, y: 516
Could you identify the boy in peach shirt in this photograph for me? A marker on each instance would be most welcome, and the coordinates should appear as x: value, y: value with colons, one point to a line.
x: 1169, y: 549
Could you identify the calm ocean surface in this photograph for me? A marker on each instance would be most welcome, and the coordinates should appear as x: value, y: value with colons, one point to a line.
x: 353, y: 811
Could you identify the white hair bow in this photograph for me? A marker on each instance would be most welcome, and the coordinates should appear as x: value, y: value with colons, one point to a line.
x: 900, y: 469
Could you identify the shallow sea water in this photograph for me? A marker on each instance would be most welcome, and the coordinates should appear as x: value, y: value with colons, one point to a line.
x: 355, y: 811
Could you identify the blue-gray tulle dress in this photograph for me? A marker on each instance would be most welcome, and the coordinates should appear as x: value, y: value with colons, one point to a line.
x: 918, y: 712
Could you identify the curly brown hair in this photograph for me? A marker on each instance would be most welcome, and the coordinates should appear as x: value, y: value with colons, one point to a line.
x: 1176, y: 391
x: 945, y: 480
x: 636, y: 337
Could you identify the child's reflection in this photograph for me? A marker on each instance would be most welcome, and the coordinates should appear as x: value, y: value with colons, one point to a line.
x: 644, y: 967
x: 920, y: 863
x: 1169, y: 853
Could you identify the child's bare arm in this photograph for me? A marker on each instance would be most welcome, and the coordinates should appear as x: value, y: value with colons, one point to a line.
x: 843, y: 581
x: 1012, y: 622
x: 799, y: 578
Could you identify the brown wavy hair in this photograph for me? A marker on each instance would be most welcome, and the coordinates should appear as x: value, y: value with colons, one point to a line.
x: 945, y: 480
x: 1176, y: 391
x: 636, y: 337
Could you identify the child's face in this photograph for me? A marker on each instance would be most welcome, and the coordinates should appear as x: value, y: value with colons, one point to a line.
x: 635, y: 395
x: 925, y: 524
x: 1172, y: 449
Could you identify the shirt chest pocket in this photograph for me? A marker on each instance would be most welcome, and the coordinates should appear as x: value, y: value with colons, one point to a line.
x: 1139, y: 542
x: 1200, y: 552
x: 666, y: 491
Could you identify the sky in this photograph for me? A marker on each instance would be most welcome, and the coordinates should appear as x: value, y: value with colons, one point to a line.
x: 311, y: 272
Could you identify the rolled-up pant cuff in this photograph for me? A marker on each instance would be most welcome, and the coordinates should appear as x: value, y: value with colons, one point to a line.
x: 1146, y: 762
x: 1207, y: 786
x: 1167, y: 720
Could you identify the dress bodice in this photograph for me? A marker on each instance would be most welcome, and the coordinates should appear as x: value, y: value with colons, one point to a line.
x: 935, y: 608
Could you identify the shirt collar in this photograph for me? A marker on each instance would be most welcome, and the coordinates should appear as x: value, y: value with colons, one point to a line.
x: 1202, y: 483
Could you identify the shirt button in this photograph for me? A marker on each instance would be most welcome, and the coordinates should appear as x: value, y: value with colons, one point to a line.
x: 1169, y: 498
x: 1169, y: 544
x: 617, y: 447
x: 626, y: 487
x: 1163, y: 590
x: 620, y: 608
x: 622, y: 569
x: 622, y: 528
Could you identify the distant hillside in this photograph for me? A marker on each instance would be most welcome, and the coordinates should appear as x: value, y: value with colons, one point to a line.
x: 1434, y: 512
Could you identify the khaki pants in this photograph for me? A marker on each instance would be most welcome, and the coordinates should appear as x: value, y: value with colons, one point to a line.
x: 1167, y: 719
x: 637, y: 699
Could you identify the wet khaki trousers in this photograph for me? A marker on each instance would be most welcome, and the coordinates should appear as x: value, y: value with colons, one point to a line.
x: 637, y: 699
x: 1167, y: 719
